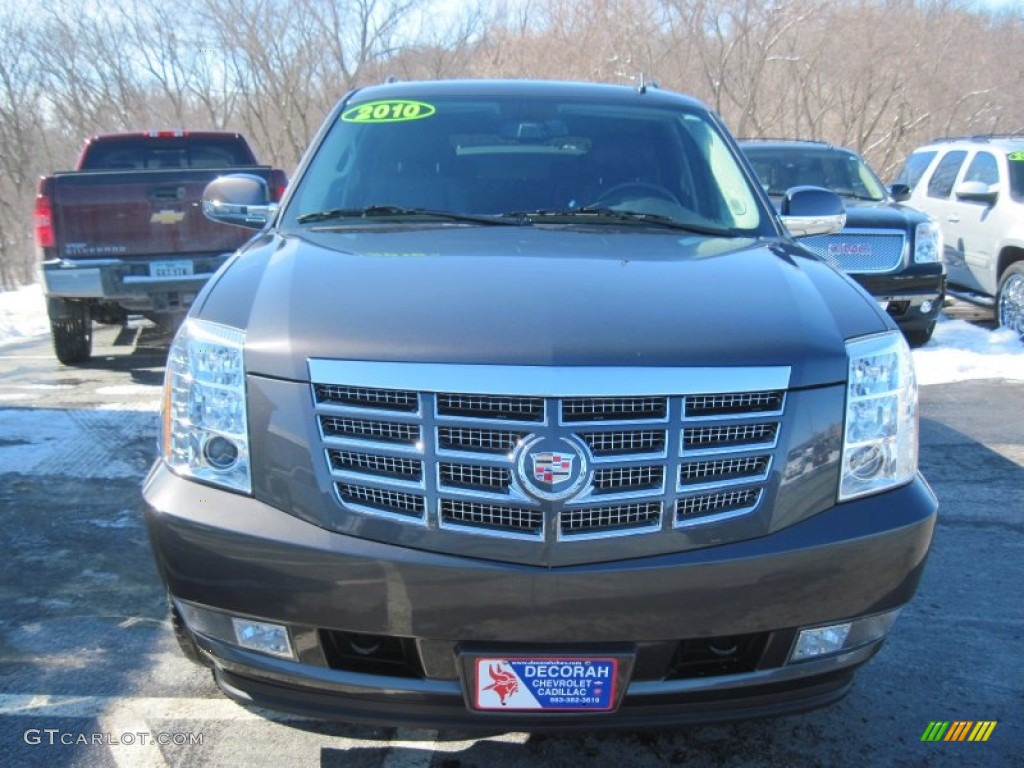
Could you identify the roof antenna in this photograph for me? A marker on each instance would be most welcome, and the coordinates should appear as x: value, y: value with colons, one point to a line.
x: 641, y: 85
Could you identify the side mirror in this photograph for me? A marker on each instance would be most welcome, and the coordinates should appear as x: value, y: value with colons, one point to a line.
x: 812, y: 211
x: 241, y: 199
x: 900, y: 192
x: 977, y: 192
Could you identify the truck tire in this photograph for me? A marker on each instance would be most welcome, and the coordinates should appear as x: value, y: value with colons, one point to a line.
x: 1010, y: 299
x: 72, y: 335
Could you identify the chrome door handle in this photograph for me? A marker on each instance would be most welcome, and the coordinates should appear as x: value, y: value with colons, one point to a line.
x: 954, y: 219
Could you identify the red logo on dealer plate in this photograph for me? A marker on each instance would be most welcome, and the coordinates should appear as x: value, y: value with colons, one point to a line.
x: 504, y: 683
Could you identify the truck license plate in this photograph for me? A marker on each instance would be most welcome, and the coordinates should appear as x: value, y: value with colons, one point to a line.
x: 528, y: 683
x: 170, y: 269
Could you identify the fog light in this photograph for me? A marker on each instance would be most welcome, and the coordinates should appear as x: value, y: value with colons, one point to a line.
x: 263, y: 637
x: 256, y: 635
x: 926, y: 307
x: 820, y: 642
x: 220, y: 452
x: 834, y: 638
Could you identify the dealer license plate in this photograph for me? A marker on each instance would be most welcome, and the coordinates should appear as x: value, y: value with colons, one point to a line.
x: 550, y: 684
x: 170, y: 269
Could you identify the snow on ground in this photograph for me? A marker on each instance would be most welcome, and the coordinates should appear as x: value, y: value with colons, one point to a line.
x: 22, y: 315
x: 76, y: 443
x: 958, y: 351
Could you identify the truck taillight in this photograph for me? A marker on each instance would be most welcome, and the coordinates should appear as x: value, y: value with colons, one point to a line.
x: 278, y: 192
x: 44, y: 222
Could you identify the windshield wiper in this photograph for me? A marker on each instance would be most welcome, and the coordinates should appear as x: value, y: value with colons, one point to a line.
x: 396, y: 211
x: 599, y: 214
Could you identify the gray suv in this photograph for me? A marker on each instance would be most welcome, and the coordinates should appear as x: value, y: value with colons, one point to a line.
x: 523, y: 410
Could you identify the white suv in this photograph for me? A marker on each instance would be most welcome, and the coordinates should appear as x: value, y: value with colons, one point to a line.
x: 974, y: 188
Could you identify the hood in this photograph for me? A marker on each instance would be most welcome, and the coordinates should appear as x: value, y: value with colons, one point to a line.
x: 539, y: 296
x: 881, y: 215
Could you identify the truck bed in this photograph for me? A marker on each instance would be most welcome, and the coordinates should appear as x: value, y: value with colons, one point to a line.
x: 126, y: 213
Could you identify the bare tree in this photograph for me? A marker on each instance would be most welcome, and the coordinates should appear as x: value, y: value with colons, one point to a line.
x: 23, y: 151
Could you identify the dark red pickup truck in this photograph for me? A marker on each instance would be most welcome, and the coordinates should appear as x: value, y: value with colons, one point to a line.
x: 125, y: 231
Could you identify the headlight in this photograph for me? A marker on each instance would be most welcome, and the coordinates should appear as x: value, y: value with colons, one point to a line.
x: 880, y: 438
x: 927, y: 243
x: 205, y: 434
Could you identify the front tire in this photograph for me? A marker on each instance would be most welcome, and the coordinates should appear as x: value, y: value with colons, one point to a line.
x: 72, y: 335
x: 1010, y: 299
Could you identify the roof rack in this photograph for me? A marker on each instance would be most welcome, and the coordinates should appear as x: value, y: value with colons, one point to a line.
x: 788, y: 138
x: 979, y: 137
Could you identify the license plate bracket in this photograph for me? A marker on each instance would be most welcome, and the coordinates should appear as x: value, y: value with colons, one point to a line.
x: 545, y: 683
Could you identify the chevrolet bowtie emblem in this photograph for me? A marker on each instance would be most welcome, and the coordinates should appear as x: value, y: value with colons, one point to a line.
x: 166, y: 217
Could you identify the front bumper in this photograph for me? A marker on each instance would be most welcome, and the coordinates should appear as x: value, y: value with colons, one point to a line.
x: 235, y: 554
x: 905, y: 295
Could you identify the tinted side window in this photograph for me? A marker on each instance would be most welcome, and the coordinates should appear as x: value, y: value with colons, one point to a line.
x: 915, y: 167
x: 941, y: 182
x: 983, y: 168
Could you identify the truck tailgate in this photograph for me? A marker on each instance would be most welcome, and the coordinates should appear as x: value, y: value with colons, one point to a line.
x: 118, y: 214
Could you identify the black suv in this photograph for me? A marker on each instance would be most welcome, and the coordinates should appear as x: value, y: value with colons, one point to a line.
x: 524, y: 410
x: 892, y: 250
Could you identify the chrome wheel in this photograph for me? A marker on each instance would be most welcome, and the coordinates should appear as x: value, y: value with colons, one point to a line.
x: 1011, y: 301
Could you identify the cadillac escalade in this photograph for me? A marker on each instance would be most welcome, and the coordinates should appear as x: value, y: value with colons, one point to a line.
x: 523, y: 409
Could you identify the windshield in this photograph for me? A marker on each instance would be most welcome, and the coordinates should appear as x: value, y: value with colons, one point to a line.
x: 842, y: 172
x: 512, y: 157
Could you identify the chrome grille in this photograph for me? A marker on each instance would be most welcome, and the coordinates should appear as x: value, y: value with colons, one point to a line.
x: 624, y: 443
x: 458, y: 463
x: 492, y: 517
x: 575, y: 409
x: 691, y: 508
x: 858, y: 250
x: 729, y: 404
x: 603, y: 520
x: 363, y: 429
x: 704, y: 438
x: 491, y: 407
x: 617, y: 479
x: 386, y: 501
x: 407, y: 469
x: 472, y: 440
x: 366, y: 397
x: 719, y: 470
x: 473, y: 476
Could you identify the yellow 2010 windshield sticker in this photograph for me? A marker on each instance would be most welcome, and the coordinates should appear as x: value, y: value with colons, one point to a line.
x: 389, y: 111
x: 1016, y: 157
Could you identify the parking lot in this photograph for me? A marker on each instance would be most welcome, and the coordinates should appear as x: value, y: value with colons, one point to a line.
x: 90, y: 674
